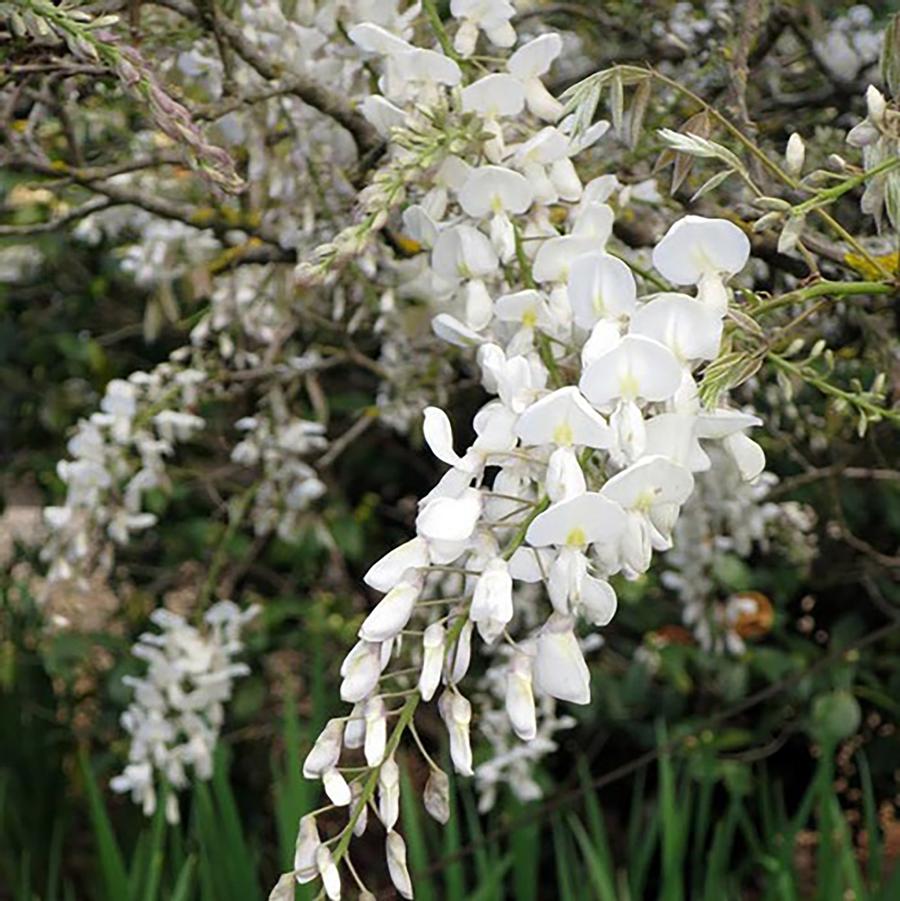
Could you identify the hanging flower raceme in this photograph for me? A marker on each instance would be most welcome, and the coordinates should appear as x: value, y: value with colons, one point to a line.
x: 178, y: 708
x: 584, y: 451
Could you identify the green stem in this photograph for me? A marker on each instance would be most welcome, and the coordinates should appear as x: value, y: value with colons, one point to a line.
x: 822, y: 289
x: 873, y: 410
x: 440, y: 32
x: 368, y: 791
x: 829, y: 195
x: 519, y: 537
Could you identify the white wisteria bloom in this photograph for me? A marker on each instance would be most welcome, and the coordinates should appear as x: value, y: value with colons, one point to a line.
x: 600, y: 287
x: 559, y: 667
x: 563, y: 418
x: 490, y: 16
x: 529, y: 63
x: 178, y: 708
x: 689, y: 328
x: 705, y: 253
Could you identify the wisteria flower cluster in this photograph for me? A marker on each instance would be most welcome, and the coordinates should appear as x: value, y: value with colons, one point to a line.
x: 178, y: 708
x: 583, y: 456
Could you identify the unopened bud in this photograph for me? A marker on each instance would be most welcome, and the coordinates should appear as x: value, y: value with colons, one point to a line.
x: 767, y: 221
x: 795, y: 154
x: 876, y: 104
x: 437, y: 796
x: 772, y: 203
x: 396, y: 861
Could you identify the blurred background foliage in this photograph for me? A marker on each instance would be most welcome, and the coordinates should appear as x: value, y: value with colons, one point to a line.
x: 773, y: 773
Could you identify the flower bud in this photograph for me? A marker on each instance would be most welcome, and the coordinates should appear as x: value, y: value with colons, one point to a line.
x: 376, y: 731
x: 457, y: 714
x: 389, y: 793
x: 362, y: 820
x: 795, y: 154
x: 392, y: 613
x: 326, y: 752
x: 361, y: 670
x: 462, y: 653
x: 308, y: 842
x: 396, y: 861
x: 437, y: 796
x: 766, y: 221
x: 355, y: 729
x: 331, y: 879
x: 876, y: 104
x: 393, y: 566
x: 336, y: 788
x: 284, y: 888
x: 520, y: 697
x: 432, y: 660
x: 492, y: 606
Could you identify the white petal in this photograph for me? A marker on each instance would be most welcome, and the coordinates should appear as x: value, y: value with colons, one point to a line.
x: 651, y: 481
x: 605, y: 335
x: 600, y: 287
x: 336, y: 788
x: 637, y: 367
x: 361, y: 670
x: 382, y: 114
x: 559, y: 667
x: 326, y: 751
x: 331, y: 879
x: 438, y: 434
x: 308, y: 842
x: 556, y: 256
x: 396, y: 861
x: 492, y: 189
x: 375, y: 39
x: 391, y: 614
x: 455, y: 332
x: 535, y: 57
x: 432, y: 660
x: 598, y: 601
x: 565, y: 478
x: 391, y: 568
x: 588, y: 519
x: 695, y: 245
x: 690, y: 329
x: 722, y: 422
x: 418, y: 225
x: 529, y: 564
x: 595, y: 220
x: 450, y: 519
x: 494, y: 95
x: 747, y: 454
x: 376, y: 731
x: 541, y: 102
x: 564, y: 418
x: 520, y: 697
x: 673, y: 435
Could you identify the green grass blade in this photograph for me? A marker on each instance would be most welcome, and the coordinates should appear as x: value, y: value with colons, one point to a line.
x: 112, y: 866
x: 597, y: 859
x: 525, y: 847
x: 565, y: 865
x: 674, y: 819
x: 185, y: 881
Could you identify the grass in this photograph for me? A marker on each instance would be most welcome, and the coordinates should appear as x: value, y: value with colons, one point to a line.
x: 686, y: 833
